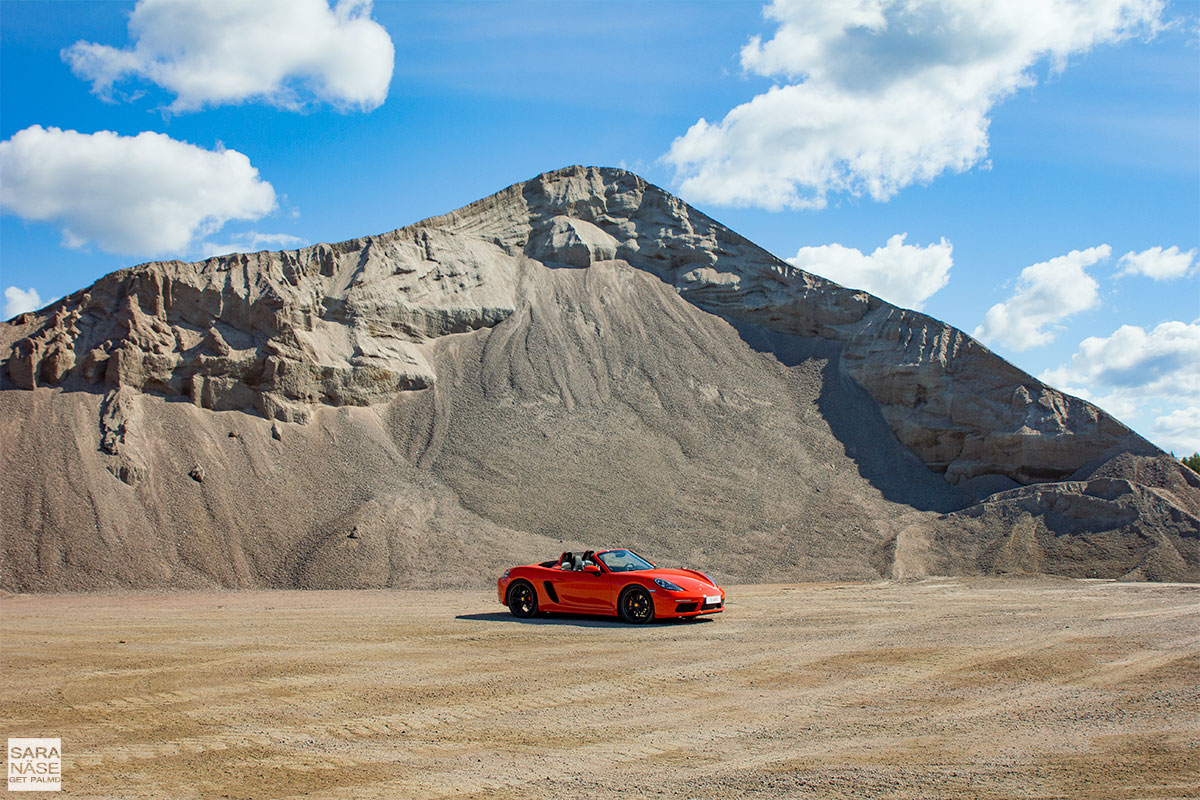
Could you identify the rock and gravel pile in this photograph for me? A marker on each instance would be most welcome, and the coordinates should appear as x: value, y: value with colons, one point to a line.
x: 580, y: 359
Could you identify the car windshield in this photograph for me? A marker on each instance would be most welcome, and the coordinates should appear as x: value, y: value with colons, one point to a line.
x: 624, y: 561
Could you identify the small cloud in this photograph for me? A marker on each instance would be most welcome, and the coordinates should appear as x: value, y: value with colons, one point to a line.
x: 1179, y: 431
x: 903, y: 274
x: 251, y: 242
x: 219, y: 52
x: 18, y: 301
x: 1047, y: 293
x: 1157, y: 263
x: 139, y: 195
x: 1164, y: 361
x: 1143, y: 375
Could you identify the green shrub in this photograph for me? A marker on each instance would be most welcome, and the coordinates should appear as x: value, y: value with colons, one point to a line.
x: 1192, y: 461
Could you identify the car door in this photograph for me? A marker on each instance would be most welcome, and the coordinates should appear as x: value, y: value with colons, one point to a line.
x: 554, y: 581
x: 587, y: 591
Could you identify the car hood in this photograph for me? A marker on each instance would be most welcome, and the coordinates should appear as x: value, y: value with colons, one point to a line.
x: 685, y: 578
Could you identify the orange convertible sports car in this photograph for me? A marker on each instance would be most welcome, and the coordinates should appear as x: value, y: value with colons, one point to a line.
x: 609, y: 582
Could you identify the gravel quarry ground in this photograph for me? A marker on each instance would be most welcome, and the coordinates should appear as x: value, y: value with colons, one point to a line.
x: 982, y: 688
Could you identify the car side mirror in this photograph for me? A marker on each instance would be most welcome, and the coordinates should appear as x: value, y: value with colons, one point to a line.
x: 591, y: 569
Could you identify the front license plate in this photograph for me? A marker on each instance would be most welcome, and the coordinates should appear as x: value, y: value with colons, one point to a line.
x: 712, y: 599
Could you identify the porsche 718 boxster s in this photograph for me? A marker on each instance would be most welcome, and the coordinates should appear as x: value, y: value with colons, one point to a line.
x: 609, y: 582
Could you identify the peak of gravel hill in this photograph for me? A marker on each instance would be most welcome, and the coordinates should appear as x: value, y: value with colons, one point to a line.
x: 352, y: 323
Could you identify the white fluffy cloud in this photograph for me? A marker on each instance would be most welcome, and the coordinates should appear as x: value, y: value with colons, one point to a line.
x: 904, y: 274
x: 216, y: 52
x: 18, y: 301
x: 1164, y: 361
x: 1157, y: 263
x: 1179, y: 431
x: 1047, y: 293
x: 880, y: 94
x: 139, y: 195
x: 1135, y: 373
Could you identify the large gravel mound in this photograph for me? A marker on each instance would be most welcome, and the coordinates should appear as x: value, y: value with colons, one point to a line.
x: 581, y: 359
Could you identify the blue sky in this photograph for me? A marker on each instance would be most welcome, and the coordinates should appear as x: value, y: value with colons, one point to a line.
x: 1041, y: 156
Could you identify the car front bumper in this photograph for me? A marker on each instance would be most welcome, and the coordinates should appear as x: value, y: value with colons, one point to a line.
x: 685, y: 604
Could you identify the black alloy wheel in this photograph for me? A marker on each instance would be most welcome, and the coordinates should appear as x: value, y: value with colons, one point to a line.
x: 636, y: 605
x: 522, y: 600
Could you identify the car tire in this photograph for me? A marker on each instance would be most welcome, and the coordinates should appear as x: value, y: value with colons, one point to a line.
x: 522, y: 599
x: 636, y: 605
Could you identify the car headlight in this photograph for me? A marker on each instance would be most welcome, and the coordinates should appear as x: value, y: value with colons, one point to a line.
x: 709, y: 579
x: 505, y: 575
x: 670, y: 587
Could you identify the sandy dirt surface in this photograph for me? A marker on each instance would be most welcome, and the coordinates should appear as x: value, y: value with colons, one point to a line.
x: 943, y: 688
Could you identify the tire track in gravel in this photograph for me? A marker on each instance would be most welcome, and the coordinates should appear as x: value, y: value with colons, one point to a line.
x: 376, y: 726
x: 348, y: 703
